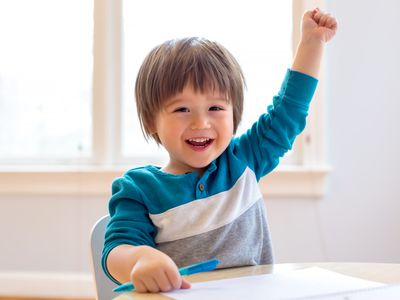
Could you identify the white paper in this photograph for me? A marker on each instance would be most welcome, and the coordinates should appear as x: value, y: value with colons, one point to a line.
x: 286, y: 285
x: 387, y: 292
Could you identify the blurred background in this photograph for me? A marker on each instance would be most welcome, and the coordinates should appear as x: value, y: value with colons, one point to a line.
x: 68, y: 127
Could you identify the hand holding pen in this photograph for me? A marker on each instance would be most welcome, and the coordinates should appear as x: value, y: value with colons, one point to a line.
x: 203, y: 266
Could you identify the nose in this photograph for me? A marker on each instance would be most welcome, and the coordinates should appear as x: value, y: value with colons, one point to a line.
x: 200, y: 121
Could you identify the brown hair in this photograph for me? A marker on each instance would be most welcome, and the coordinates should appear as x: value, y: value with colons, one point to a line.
x: 169, y: 67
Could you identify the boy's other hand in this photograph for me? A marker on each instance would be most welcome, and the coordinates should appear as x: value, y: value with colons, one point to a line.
x: 318, y: 26
x: 156, y: 272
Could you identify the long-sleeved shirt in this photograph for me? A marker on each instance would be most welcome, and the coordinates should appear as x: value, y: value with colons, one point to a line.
x: 220, y: 214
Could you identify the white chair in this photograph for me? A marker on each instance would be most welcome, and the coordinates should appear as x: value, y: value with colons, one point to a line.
x: 104, y: 285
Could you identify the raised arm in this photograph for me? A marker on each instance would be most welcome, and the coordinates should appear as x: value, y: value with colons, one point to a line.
x: 317, y: 28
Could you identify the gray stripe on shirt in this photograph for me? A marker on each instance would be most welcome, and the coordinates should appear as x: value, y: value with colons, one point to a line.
x: 245, y: 241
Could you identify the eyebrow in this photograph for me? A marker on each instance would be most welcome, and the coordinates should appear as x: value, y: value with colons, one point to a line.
x: 175, y: 100
x: 172, y: 102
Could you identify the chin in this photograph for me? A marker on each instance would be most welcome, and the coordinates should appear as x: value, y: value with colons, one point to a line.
x: 200, y: 165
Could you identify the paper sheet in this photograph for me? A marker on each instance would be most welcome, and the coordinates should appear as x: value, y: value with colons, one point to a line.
x: 286, y: 285
x: 387, y: 292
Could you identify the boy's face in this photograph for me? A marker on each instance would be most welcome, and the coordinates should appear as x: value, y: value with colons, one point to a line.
x: 195, y: 128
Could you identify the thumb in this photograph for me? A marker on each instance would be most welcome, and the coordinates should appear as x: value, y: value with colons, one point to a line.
x: 310, y: 14
x: 185, y: 284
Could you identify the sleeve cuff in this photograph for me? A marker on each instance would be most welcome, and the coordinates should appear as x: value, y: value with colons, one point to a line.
x: 104, y: 265
x: 298, y: 87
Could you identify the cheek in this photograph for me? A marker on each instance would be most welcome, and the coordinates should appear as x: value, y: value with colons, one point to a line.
x: 230, y: 124
x: 173, y: 126
x: 226, y: 128
x: 169, y: 129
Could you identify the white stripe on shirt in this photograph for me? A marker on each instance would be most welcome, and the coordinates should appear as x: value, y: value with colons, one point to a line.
x: 209, y: 213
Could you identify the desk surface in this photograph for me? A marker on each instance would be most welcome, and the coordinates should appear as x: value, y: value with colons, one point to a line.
x: 385, y: 273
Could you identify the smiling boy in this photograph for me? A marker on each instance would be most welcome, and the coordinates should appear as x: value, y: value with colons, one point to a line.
x: 194, y: 121
x: 205, y: 202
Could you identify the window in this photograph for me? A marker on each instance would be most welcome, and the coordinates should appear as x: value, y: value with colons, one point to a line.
x: 67, y: 87
x: 45, y: 80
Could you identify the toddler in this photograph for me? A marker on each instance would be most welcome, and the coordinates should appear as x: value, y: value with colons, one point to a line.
x: 205, y: 202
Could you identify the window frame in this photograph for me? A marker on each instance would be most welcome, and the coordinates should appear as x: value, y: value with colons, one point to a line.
x: 107, y: 163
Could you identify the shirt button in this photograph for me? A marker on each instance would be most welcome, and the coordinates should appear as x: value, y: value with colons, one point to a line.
x: 201, y: 187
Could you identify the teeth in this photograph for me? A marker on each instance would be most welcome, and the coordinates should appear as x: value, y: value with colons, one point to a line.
x: 199, y: 140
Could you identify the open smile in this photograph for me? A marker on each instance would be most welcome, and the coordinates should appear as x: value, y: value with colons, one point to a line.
x: 199, y: 144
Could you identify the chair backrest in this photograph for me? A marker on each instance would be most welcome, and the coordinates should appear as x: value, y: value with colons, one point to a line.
x: 104, y: 285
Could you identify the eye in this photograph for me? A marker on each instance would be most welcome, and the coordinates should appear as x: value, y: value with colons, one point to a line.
x: 216, y: 108
x: 181, y: 109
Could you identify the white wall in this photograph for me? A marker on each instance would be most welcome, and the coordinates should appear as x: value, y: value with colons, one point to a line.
x: 47, y: 233
x: 361, y: 212
x: 357, y: 219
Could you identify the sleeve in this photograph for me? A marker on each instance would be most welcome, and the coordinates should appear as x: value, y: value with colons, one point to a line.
x: 129, y: 220
x: 273, y: 134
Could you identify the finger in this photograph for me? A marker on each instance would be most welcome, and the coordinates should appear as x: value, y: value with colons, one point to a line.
x: 151, y: 285
x: 139, y: 286
x: 185, y: 284
x: 309, y: 14
x: 314, y: 11
x: 317, y: 16
x: 163, y: 282
x: 324, y: 19
x: 175, y: 279
x: 332, y: 23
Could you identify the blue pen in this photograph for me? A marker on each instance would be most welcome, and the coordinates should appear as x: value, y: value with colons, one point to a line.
x: 204, y: 266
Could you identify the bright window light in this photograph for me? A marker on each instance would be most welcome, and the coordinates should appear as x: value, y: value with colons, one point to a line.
x: 45, y: 79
